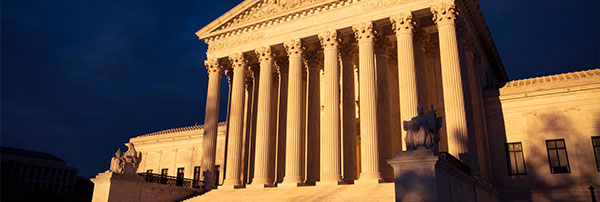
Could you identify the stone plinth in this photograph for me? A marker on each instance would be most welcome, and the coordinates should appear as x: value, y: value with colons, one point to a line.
x: 421, y: 176
x: 113, y: 187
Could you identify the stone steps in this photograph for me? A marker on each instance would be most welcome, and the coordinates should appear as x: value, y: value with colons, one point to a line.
x: 360, y: 192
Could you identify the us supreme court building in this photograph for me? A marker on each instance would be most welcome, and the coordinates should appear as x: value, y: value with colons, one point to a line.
x: 319, y: 89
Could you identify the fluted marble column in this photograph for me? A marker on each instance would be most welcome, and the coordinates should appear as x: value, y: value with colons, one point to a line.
x: 236, y: 122
x: 293, y: 141
x: 407, y: 78
x: 368, y: 104
x: 454, y: 103
x: 209, y: 141
x: 330, y: 138
x: 263, y: 126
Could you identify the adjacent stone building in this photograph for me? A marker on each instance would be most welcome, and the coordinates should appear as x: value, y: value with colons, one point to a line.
x: 178, y: 150
x: 32, y: 175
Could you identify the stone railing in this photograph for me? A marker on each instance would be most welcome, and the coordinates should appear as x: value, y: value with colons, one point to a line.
x: 455, y: 162
x: 171, y: 180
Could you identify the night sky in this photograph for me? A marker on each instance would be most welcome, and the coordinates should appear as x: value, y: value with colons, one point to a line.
x: 79, y: 78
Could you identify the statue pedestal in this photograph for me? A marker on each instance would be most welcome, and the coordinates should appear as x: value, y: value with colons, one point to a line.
x: 414, y: 175
x: 114, y: 187
x: 419, y: 175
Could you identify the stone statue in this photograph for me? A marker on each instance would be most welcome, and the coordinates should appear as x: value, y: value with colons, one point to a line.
x: 423, y: 130
x: 116, y: 163
x: 128, y: 162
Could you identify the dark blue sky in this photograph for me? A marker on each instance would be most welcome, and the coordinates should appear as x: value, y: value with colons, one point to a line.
x: 79, y: 78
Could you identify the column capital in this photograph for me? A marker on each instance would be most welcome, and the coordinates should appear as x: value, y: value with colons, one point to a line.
x: 382, y: 44
x: 264, y: 54
x: 403, y: 23
x: 363, y: 31
x: 212, y: 66
x: 229, y: 75
x: 238, y: 60
x: 293, y: 47
x: 329, y: 39
x: 348, y: 48
x: 313, y: 59
x: 444, y: 13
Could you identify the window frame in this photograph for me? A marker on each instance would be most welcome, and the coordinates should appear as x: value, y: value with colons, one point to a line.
x: 558, y: 158
x: 595, y: 154
x: 508, y: 154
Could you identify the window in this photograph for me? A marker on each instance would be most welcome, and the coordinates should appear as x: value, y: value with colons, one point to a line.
x: 516, y: 161
x: 163, y: 175
x: 179, y: 177
x: 596, y: 144
x: 557, y: 156
x: 196, y: 180
x: 149, y: 171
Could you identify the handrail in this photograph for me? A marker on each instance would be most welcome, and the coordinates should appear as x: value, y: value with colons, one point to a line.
x: 171, y: 180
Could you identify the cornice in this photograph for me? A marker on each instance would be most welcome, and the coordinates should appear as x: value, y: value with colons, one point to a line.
x: 547, y: 85
x: 226, y: 25
x: 179, y: 130
x: 544, y: 80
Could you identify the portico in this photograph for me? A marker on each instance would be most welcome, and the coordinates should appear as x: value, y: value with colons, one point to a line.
x: 259, y: 40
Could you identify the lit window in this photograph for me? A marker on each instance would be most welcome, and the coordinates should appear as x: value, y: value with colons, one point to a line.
x: 149, y: 171
x: 557, y: 156
x: 596, y: 144
x: 516, y: 161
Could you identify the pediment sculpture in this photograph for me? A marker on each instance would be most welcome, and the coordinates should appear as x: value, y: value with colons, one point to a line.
x: 423, y: 131
x: 126, y: 163
x: 268, y: 8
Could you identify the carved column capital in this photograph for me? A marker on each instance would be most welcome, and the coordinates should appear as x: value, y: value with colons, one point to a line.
x: 403, y: 23
x: 363, y: 31
x: 329, y: 39
x: 213, y: 67
x: 382, y: 44
x: 313, y: 59
x: 348, y: 48
x: 238, y: 60
x: 293, y: 47
x: 264, y: 54
x: 445, y: 13
x: 229, y: 75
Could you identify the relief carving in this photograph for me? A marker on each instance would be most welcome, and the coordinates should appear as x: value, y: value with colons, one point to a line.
x: 267, y: 8
x: 444, y: 13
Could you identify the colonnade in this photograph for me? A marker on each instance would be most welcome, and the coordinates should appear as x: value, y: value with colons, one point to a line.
x: 331, y: 133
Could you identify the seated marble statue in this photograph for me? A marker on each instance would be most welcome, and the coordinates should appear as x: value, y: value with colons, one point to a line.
x: 128, y: 162
x: 423, y: 130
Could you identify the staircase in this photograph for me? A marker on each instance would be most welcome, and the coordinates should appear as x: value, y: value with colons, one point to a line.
x: 351, y: 192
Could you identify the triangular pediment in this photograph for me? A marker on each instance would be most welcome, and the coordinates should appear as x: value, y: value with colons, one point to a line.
x: 250, y: 12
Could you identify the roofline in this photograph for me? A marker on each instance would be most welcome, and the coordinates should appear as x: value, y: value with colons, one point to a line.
x: 205, y: 31
x: 177, y: 130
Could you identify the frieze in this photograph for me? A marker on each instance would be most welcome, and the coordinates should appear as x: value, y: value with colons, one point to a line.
x: 372, y: 5
x: 234, y: 41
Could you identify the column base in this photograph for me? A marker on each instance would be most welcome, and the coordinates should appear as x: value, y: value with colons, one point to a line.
x: 290, y: 184
x: 260, y: 183
x: 229, y: 187
x: 330, y: 183
x: 260, y: 186
x: 369, y: 178
x: 292, y: 181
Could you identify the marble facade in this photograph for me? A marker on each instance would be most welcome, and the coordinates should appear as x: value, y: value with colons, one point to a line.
x: 318, y: 90
x: 365, y: 73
